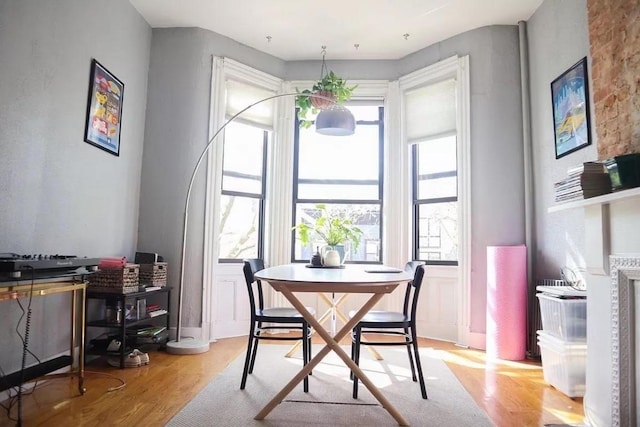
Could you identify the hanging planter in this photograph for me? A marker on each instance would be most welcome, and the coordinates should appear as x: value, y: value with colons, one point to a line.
x: 329, y: 86
x: 322, y: 103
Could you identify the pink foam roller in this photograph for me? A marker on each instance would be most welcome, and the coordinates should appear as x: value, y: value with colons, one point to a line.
x: 506, y: 302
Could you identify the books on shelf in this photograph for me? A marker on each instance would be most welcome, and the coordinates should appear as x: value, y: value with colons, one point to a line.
x: 152, y: 288
x: 152, y: 307
x: 160, y: 337
x: 146, y: 330
x: 158, y: 312
x: 148, y: 334
x: 584, y: 181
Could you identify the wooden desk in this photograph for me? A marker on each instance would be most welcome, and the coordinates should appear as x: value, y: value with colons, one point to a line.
x: 22, y: 289
x: 292, y: 278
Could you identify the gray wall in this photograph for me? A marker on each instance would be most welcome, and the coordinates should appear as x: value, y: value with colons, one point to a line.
x: 58, y: 194
x: 497, y: 181
x: 558, y: 38
x: 177, y: 120
x: 176, y: 133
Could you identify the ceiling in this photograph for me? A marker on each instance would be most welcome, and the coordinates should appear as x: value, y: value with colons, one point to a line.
x: 350, y: 29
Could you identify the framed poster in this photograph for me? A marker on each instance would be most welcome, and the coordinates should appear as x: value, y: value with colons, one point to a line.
x: 104, y: 109
x: 570, y: 100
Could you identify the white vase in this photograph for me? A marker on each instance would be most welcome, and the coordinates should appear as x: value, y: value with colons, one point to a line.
x: 331, y: 258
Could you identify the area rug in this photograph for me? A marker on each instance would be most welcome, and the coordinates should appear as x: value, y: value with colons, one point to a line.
x: 329, y: 402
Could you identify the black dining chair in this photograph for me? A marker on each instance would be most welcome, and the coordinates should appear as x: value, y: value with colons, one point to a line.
x: 377, y: 323
x: 266, y: 319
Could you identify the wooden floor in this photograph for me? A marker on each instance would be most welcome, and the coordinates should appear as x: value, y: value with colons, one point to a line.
x: 513, y: 394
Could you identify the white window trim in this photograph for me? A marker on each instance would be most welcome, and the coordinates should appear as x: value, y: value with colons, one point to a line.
x: 458, y: 68
x: 221, y: 69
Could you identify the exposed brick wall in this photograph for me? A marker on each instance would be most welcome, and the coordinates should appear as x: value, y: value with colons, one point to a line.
x: 614, y: 35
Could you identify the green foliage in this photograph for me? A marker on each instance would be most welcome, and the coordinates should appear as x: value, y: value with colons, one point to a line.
x: 330, y: 83
x: 331, y: 228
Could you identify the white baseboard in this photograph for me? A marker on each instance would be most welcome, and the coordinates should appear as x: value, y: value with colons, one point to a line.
x: 477, y: 340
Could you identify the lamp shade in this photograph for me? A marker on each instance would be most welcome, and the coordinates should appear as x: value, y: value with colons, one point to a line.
x: 335, y: 121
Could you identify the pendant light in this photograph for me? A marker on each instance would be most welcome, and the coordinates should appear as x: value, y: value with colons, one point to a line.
x: 335, y: 121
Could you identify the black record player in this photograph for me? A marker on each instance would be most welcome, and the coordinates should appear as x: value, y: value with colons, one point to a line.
x: 15, y: 266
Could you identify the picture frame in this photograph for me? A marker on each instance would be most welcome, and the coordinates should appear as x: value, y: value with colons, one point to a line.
x: 571, y: 117
x: 104, y: 109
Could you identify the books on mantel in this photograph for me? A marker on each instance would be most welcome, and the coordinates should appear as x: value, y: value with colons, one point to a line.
x: 584, y: 181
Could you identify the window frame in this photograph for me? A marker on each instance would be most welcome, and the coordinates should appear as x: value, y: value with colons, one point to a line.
x: 261, y: 197
x: 417, y: 202
x: 380, y: 201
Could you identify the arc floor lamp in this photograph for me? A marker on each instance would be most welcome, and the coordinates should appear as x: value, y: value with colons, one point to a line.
x: 335, y: 121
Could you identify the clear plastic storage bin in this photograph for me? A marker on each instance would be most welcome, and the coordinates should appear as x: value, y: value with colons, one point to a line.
x: 564, y: 318
x: 564, y: 364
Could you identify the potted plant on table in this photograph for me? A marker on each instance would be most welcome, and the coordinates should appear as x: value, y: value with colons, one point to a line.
x: 334, y: 230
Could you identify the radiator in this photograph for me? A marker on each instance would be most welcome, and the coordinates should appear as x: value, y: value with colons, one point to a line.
x: 534, y: 319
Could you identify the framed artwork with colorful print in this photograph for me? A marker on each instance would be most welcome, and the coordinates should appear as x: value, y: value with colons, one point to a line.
x: 104, y: 109
x: 570, y: 100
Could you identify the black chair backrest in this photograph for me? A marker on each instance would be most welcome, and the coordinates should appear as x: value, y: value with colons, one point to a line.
x: 411, y: 267
x: 250, y: 268
x: 416, y: 284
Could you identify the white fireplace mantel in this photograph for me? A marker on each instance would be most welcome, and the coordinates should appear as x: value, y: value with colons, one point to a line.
x: 612, y: 257
x: 597, y: 226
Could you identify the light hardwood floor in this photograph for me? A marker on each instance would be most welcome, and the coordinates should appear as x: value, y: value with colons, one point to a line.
x: 513, y: 394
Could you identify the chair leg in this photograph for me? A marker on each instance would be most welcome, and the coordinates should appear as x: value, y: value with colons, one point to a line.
x: 305, y: 355
x: 356, y: 359
x: 309, y: 352
x: 247, y: 358
x: 353, y: 352
x: 255, y: 349
x: 414, y: 338
x: 408, y: 341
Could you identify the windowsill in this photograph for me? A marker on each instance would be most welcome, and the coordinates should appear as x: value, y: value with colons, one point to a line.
x: 605, y: 199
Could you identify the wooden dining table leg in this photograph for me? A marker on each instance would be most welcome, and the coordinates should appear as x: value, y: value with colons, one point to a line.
x: 334, y: 306
x: 371, y: 349
x: 332, y: 344
x: 321, y: 319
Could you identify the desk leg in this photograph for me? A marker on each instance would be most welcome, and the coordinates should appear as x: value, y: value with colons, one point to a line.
x: 83, y: 314
x: 332, y: 344
x: 77, y: 331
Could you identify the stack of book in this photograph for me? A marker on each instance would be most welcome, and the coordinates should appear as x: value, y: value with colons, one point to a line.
x: 154, y: 310
x: 587, y: 180
x: 148, y: 334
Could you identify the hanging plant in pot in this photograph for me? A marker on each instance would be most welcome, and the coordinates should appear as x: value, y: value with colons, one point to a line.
x: 330, y: 87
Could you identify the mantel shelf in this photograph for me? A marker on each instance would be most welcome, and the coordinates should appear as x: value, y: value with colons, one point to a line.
x: 599, y: 200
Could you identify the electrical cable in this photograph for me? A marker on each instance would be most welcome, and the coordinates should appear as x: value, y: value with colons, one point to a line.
x: 123, y: 383
x: 572, y: 278
x: 25, y: 346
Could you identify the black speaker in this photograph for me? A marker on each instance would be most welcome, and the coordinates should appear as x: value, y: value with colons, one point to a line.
x: 147, y: 258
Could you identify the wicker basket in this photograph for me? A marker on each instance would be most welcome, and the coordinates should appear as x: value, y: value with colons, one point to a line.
x: 117, y: 280
x: 153, y: 274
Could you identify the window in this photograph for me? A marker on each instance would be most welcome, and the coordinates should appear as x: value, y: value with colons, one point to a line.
x: 243, y: 192
x: 435, y: 201
x: 431, y: 130
x: 345, y: 174
x: 244, y: 163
